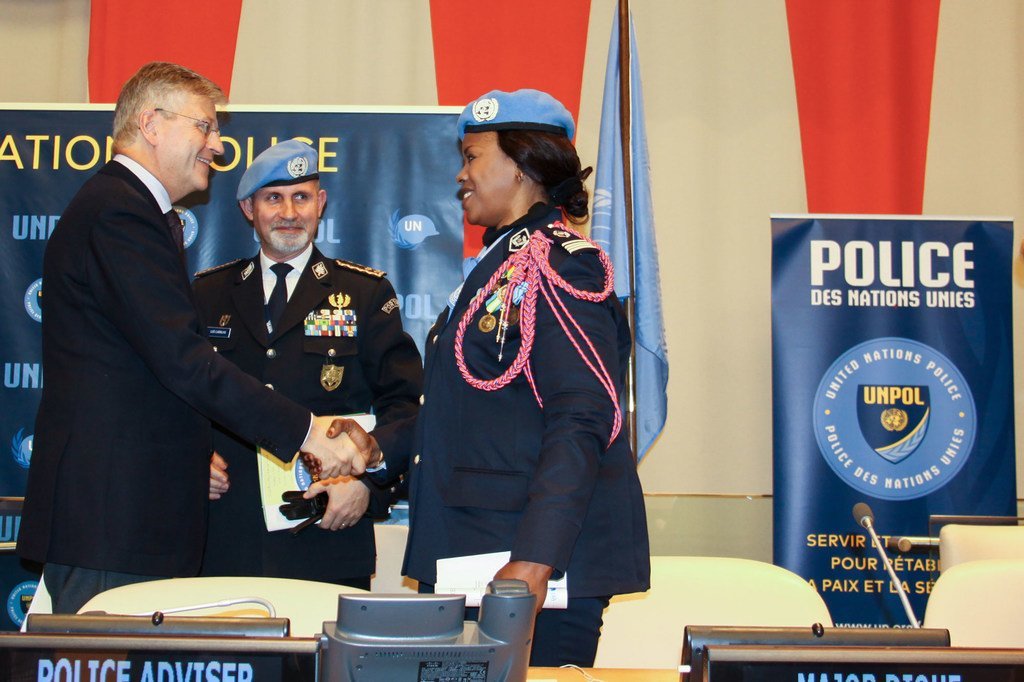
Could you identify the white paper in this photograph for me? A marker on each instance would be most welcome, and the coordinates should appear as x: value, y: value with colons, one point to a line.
x: 469, y: 575
x: 277, y: 477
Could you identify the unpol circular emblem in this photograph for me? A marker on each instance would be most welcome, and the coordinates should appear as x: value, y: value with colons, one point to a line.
x: 894, y: 418
x: 302, y: 477
x: 189, y: 225
x: 21, y: 448
x: 32, y: 300
x: 485, y: 109
x: 19, y: 600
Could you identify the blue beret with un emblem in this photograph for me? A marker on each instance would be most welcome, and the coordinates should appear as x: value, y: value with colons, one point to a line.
x: 519, y: 110
x: 286, y: 163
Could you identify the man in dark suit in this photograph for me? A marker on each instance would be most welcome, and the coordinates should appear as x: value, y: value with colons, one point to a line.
x: 117, y: 488
x: 337, y: 347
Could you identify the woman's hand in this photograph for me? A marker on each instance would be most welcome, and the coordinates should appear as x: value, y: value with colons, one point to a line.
x: 536, y: 576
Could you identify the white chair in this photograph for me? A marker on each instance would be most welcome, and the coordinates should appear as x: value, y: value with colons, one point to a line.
x: 306, y: 603
x: 645, y: 630
x: 388, y: 578
x: 961, y: 543
x: 979, y: 602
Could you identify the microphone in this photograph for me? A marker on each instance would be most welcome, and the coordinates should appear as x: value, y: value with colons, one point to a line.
x: 863, y: 516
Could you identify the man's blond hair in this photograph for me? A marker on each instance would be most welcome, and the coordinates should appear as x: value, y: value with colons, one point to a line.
x: 157, y: 84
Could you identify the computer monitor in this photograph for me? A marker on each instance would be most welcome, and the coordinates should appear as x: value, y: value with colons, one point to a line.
x: 381, y: 638
x: 696, y: 639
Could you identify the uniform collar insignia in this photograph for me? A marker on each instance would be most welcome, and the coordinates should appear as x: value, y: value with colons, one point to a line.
x: 519, y: 240
x: 319, y: 270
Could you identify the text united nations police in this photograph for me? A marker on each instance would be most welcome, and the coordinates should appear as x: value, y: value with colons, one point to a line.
x: 886, y: 274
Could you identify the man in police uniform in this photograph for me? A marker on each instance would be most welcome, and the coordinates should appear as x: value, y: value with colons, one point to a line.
x: 326, y: 333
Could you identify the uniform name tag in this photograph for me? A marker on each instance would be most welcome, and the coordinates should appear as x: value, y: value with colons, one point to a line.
x: 218, y: 332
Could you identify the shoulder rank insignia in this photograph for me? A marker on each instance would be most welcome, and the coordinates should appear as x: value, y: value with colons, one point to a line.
x: 217, y: 268
x: 573, y: 243
x: 361, y: 269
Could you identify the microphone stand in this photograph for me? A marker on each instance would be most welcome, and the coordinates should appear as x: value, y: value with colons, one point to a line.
x: 866, y: 522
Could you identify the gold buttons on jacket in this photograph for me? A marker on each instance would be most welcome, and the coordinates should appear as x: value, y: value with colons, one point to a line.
x: 423, y: 399
x: 271, y: 353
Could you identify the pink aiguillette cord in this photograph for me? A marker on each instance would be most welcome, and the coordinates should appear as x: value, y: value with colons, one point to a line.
x: 531, y: 265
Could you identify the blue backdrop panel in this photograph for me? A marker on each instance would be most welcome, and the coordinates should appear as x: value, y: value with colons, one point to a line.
x: 892, y: 385
x: 390, y: 181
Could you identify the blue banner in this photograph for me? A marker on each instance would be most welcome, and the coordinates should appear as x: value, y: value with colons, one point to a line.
x: 390, y: 181
x: 892, y: 373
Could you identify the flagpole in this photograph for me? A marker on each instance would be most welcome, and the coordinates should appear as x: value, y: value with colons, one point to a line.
x: 625, y: 127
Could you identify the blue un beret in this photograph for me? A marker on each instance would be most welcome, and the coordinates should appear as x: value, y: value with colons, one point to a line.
x: 286, y: 163
x: 519, y: 110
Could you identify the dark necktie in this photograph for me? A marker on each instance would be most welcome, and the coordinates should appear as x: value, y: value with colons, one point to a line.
x: 278, y: 297
x: 174, y: 222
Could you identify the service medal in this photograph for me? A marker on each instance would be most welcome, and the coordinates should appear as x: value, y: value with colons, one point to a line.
x: 487, y: 323
x: 330, y: 377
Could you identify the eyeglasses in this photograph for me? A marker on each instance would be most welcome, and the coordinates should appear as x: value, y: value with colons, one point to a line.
x: 205, y: 127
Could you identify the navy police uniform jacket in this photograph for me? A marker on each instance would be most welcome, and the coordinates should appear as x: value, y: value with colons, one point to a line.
x: 120, y: 466
x: 492, y: 471
x: 370, y: 365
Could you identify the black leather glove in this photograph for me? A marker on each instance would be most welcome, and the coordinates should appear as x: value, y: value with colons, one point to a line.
x: 297, y: 507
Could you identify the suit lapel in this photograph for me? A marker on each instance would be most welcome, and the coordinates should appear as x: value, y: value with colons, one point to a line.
x: 122, y: 172
x: 248, y: 296
x: 482, y: 273
x: 308, y: 292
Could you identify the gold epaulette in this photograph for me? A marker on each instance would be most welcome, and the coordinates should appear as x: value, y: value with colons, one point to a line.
x: 361, y: 269
x: 217, y: 268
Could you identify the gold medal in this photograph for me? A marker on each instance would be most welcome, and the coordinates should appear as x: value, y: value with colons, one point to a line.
x: 330, y: 376
x: 487, y: 323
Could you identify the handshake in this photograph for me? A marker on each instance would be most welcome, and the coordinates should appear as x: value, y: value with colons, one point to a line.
x: 339, y: 447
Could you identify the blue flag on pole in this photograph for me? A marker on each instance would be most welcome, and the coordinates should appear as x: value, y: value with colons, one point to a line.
x: 608, y: 228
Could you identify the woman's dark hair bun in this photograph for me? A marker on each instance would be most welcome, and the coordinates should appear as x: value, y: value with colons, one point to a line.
x: 550, y: 160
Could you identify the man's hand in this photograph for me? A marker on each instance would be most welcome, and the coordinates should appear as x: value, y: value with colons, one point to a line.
x: 338, y: 447
x: 219, y: 483
x: 347, y: 501
x: 535, y: 575
x: 363, y: 441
